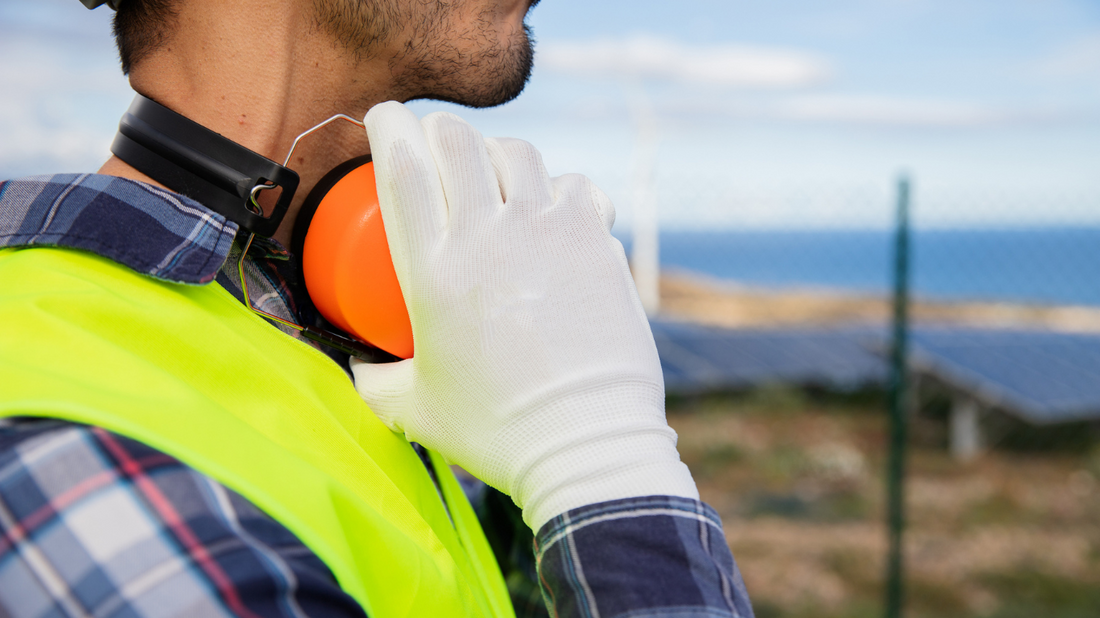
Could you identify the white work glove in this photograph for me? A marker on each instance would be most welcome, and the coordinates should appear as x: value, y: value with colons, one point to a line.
x: 534, y: 365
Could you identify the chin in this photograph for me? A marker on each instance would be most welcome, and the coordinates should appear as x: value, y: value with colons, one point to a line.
x: 494, y: 78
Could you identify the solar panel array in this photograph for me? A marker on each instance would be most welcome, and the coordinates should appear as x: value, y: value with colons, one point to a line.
x: 699, y: 358
x: 1043, y: 377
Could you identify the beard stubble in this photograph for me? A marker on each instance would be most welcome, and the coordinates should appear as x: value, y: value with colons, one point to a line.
x: 469, y: 65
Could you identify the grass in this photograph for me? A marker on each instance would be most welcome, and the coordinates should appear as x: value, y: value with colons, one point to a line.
x: 862, y: 609
x: 797, y: 477
x: 997, y: 509
x: 1027, y: 593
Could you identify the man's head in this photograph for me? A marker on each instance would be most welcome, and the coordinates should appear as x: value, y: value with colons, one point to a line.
x: 142, y: 27
x: 262, y: 72
x: 472, y: 52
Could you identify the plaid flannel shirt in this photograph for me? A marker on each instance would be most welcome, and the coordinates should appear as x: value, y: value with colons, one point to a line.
x: 96, y: 524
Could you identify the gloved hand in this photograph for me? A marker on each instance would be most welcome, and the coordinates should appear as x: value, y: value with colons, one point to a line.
x: 534, y: 366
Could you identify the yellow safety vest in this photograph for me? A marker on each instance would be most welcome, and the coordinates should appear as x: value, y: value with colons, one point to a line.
x: 192, y: 372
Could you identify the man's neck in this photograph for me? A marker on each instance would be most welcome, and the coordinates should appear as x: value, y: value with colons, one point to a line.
x: 259, y: 87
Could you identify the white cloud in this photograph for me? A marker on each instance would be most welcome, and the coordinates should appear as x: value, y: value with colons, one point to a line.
x: 868, y: 109
x: 1076, y: 60
x: 649, y: 57
x: 61, y: 104
x: 886, y: 110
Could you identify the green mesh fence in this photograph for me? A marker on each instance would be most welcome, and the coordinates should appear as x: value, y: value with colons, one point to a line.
x: 971, y: 491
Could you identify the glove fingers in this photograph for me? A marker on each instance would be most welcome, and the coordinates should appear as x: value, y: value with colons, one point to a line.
x: 465, y: 171
x: 387, y: 389
x: 604, y: 207
x: 524, y: 183
x: 413, y: 206
x: 585, y: 192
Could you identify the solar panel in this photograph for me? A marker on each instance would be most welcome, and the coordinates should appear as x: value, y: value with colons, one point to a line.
x: 698, y: 358
x: 1043, y: 377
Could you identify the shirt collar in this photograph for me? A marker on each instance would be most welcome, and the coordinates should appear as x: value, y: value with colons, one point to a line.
x: 152, y: 231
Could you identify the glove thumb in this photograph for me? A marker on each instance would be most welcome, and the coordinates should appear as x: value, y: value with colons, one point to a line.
x: 387, y: 389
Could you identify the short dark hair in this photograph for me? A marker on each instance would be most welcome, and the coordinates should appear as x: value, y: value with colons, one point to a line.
x: 142, y: 27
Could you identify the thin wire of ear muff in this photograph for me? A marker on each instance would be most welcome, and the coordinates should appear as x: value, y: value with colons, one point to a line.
x: 259, y: 209
x: 362, y: 351
x: 347, y: 345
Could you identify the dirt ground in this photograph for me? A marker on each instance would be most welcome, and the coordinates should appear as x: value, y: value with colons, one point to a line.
x: 798, y: 479
x: 697, y: 298
x: 798, y: 482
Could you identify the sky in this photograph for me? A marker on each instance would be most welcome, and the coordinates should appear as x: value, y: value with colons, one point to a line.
x: 750, y: 113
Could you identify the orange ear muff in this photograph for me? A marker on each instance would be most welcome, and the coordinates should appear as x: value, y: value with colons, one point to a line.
x: 346, y: 259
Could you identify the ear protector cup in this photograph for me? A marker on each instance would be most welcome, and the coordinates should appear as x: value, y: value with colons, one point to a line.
x: 346, y: 262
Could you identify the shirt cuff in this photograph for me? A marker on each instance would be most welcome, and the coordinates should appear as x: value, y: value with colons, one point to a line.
x: 652, y: 555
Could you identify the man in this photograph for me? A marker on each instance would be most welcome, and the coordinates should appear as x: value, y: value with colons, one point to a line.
x: 167, y: 453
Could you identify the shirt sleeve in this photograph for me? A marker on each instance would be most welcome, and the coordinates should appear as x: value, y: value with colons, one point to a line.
x: 95, y: 524
x: 650, y: 556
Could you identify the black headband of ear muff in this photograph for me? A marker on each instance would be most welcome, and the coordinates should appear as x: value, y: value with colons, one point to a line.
x: 207, y: 167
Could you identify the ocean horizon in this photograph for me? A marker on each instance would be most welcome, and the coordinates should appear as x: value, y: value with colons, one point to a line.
x: 1045, y: 266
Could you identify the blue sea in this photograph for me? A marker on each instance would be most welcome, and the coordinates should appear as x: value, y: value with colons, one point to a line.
x: 1053, y: 266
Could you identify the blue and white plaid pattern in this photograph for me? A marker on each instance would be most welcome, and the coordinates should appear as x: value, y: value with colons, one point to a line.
x: 151, y: 230
x: 630, y: 557
x: 95, y: 524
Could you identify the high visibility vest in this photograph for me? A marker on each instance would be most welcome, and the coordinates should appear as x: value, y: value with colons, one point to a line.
x: 192, y: 372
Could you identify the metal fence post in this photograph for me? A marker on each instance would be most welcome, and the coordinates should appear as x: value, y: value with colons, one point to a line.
x: 895, y: 471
